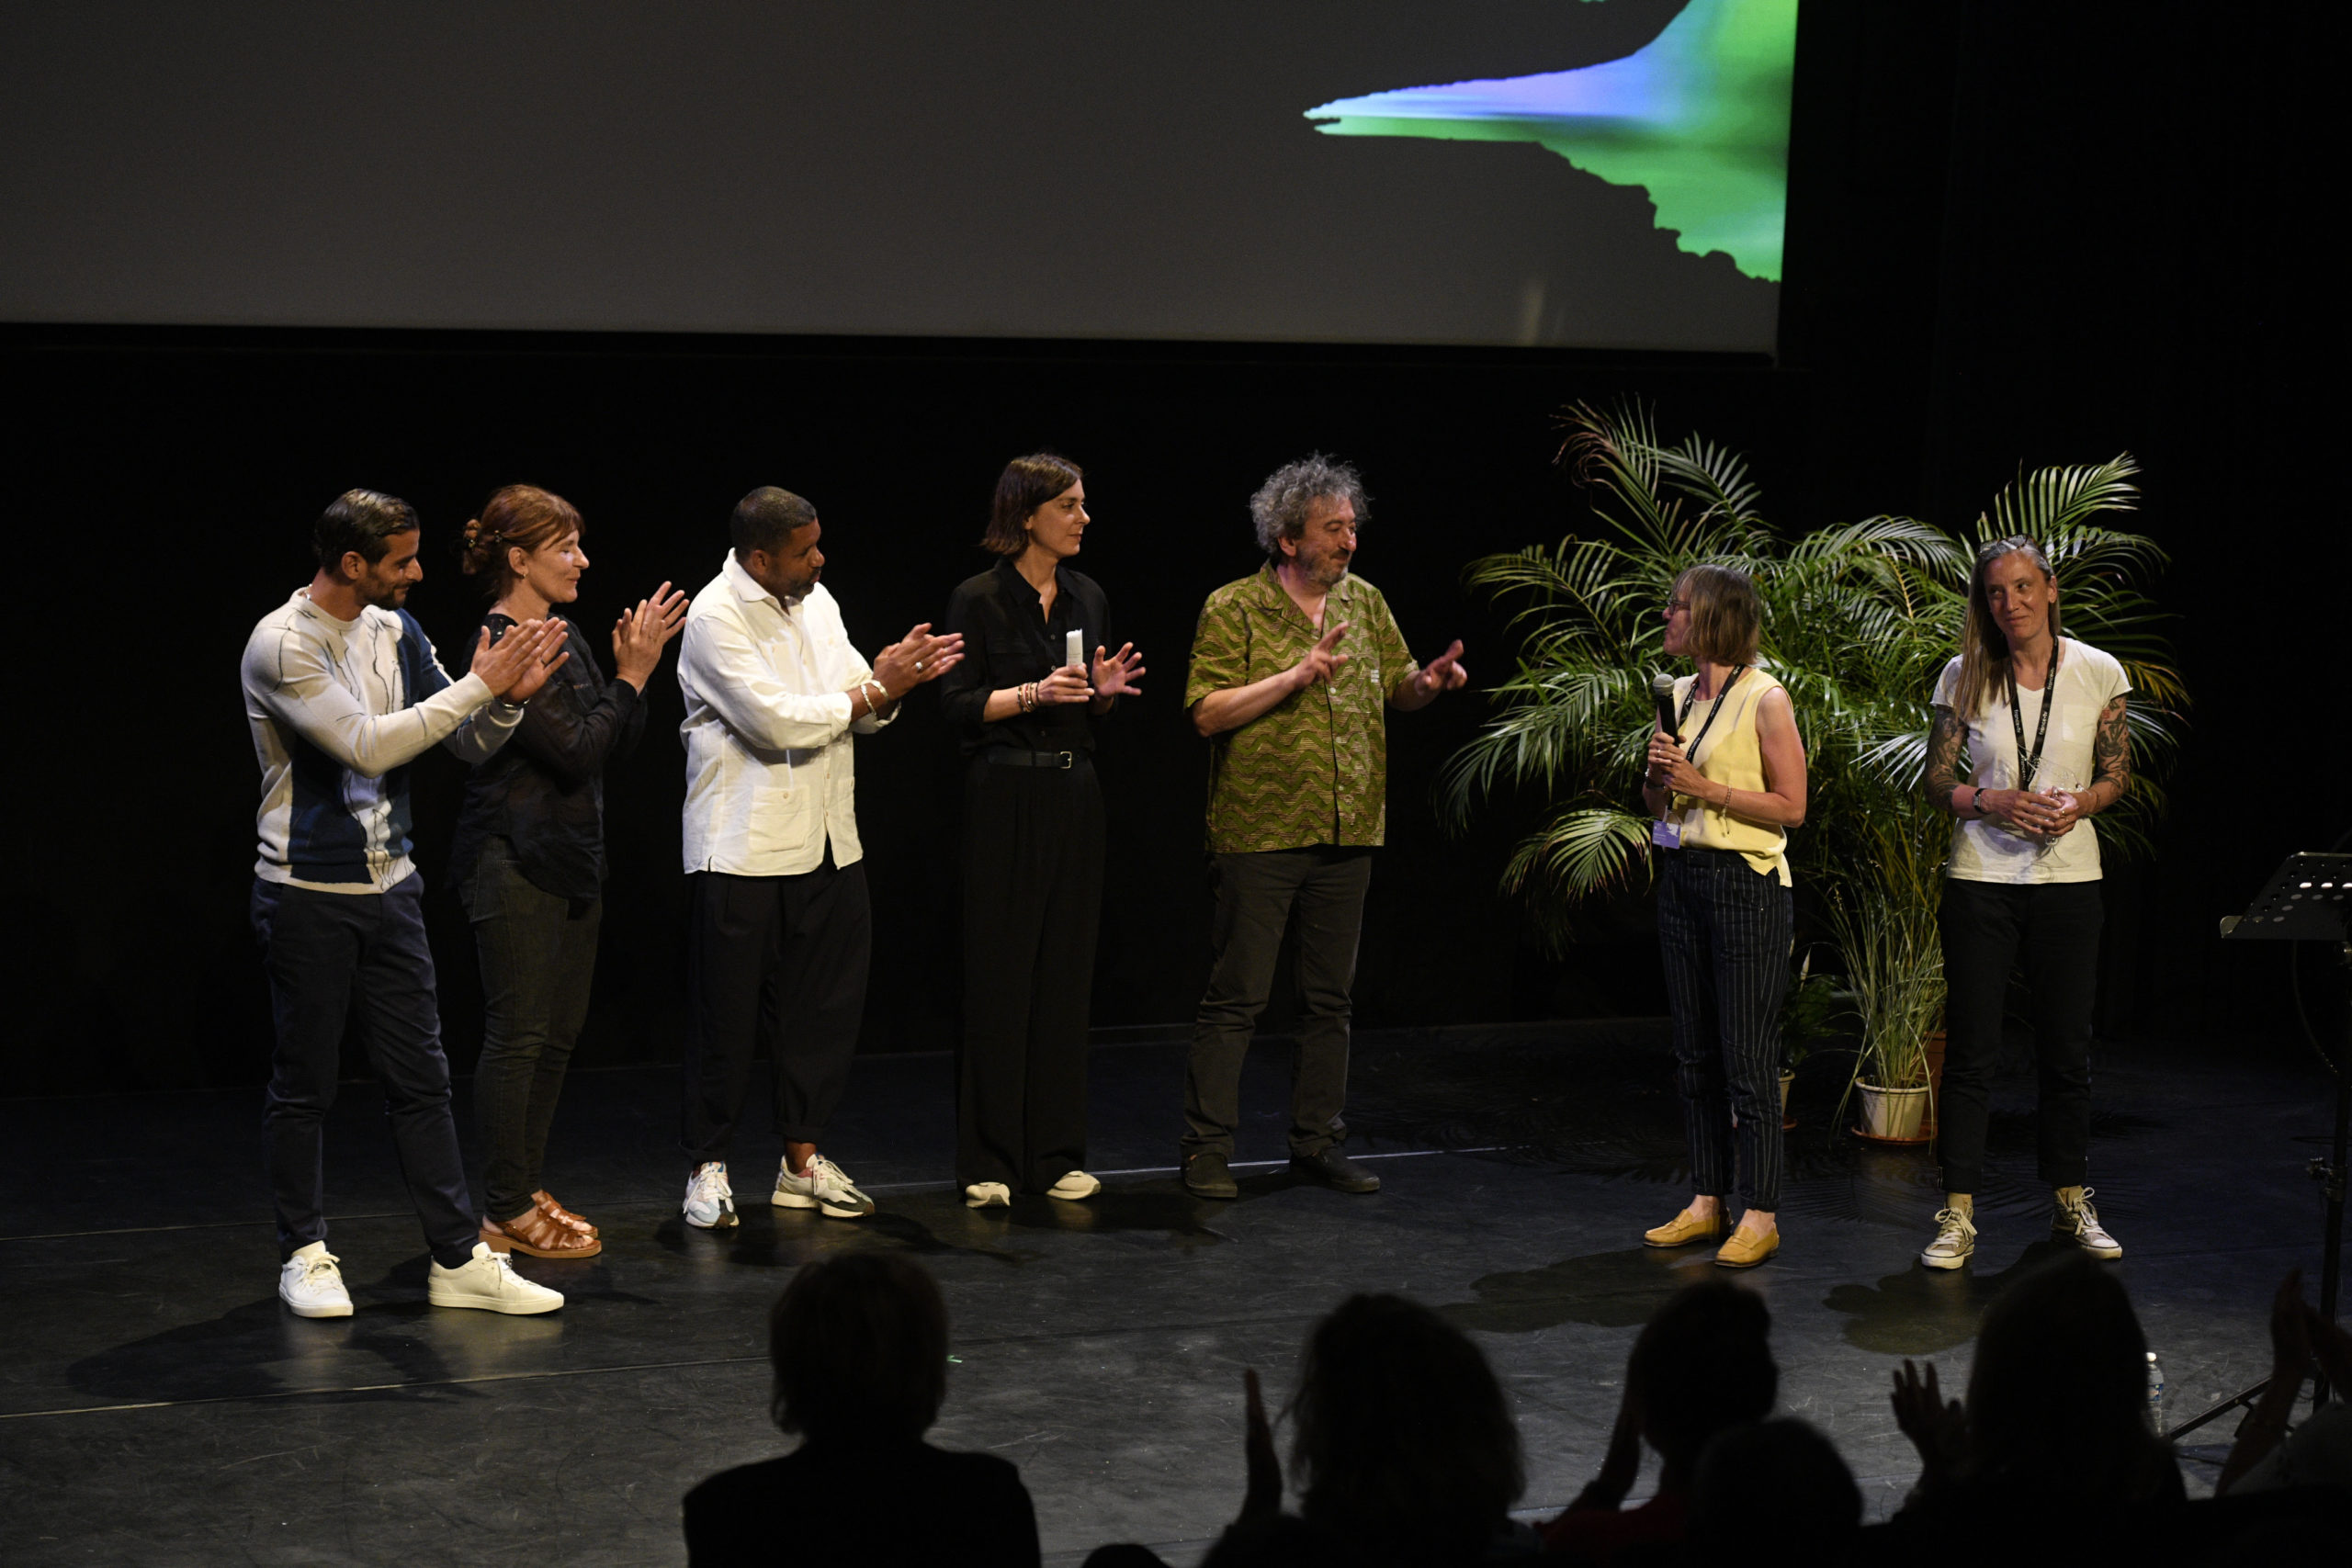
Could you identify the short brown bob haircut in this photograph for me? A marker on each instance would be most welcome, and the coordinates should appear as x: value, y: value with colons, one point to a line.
x: 860, y: 1347
x: 1026, y: 484
x: 1726, y: 616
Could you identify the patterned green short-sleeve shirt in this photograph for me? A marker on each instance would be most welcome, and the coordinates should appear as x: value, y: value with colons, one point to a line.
x: 1312, y: 768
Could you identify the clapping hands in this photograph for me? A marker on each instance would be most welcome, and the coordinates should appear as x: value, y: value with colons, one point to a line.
x: 640, y: 634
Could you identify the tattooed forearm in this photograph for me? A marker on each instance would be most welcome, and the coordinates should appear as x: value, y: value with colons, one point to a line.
x: 2110, y: 756
x: 1941, y: 774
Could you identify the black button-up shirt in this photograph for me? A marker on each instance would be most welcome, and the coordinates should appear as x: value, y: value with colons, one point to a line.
x: 544, y: 791
x: 1007, y: 642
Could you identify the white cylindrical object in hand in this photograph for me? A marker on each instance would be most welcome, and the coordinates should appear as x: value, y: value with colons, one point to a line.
x: 1074, y: 648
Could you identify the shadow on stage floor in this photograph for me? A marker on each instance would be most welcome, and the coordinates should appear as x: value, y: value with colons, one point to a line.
x: 158, y: 1406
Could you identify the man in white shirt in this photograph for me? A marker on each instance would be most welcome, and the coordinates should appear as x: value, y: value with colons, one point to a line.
x: 341, y: 692
x: 778, y: 928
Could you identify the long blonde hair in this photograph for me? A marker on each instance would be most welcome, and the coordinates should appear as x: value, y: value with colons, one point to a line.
x: 1983, y: 646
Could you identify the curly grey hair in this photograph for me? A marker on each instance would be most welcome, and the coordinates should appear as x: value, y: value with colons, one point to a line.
x: 1279, y: 509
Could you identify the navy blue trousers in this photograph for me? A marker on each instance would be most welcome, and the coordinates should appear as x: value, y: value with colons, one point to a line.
x: 359, y: 958
x: 1723, y: 932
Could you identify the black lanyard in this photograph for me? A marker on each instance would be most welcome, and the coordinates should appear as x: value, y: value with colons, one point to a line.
x: 1690, y: 700
x: 2028, y: 766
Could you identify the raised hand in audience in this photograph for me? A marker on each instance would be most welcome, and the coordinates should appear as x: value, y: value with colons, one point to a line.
x: 1261, y: 1499
x: 1937, y: 1427
x: 2292, y: 1342
x: 1623, y: 1466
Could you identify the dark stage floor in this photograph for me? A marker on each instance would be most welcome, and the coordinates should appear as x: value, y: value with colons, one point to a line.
x: 159, y: 1408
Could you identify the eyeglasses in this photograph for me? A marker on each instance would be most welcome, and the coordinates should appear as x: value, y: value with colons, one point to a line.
x: 1673, y: 604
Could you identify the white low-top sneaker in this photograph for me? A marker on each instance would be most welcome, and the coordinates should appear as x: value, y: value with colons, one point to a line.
x: 1955, y: 1240
x: 1074, y: 1186
x: 488, y: 1280
x: 988, y: 1195
x: 710, y: 1201
x: 2077, y: 1222
x: 311, y: 1285
x: 824, y: 1187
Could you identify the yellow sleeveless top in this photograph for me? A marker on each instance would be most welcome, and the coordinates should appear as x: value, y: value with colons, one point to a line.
x: 1730, y: 755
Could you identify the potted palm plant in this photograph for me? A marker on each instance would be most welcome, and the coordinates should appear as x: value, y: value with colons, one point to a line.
x: 1858, y: 618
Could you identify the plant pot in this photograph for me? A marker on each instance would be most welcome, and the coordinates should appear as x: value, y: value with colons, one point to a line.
x: 1788, y: 1122
x: 1893, y: 1115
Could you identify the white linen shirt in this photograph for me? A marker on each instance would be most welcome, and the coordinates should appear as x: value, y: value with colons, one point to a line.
x: 771, y: 771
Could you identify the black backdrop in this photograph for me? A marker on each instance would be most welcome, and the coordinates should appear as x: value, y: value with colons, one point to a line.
x: 2019, y: 235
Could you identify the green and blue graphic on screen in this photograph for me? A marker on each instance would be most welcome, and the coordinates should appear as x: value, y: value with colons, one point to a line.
x: 1698, y: 118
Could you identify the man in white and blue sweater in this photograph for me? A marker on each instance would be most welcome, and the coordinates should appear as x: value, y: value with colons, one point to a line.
x: 341, y: 692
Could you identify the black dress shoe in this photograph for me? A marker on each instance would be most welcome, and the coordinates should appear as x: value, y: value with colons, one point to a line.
x: 1332, y: 1167
x: 1207, y: 1176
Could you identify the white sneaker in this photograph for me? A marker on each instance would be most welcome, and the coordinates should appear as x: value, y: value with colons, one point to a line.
x: 710, y: 1201
x: 1955, y: 1240
x: 824, y: 1187
x: 311, y: 1285
x: 489, y: 1281
x: 988, y: 1195
x: 1074, y: 1186
x: 2078, y: 1223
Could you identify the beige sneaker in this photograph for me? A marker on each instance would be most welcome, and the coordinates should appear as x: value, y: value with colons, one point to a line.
x: 988, y: 1195
x: 2078, y: 1223
x: 824, y: 1187
x: 1955, y: 1240
x: 1073, y: 1186
x: 488, y: 1281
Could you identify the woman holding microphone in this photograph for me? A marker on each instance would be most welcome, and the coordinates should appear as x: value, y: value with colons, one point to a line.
x: 1725, y: 788
x: 1023, y: 702
x: 2041, y: 717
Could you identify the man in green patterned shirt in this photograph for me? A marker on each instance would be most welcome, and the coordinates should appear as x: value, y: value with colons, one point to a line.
x: 1293, y: 670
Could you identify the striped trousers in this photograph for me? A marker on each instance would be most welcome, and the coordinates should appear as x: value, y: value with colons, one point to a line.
x: 1723, y: 932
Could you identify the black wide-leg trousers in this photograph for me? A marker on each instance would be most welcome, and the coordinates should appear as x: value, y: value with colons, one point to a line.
x: 780, y: 961
x: 1033, y: 897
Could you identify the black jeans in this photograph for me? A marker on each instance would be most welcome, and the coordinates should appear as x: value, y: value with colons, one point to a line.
x: 1033, y: 900
x: 360, y: 957
x: 2050, y: 930
x: 1723, y: 931
x: 1322, y: 889
x: 539, y: 958
x: 777, y: 962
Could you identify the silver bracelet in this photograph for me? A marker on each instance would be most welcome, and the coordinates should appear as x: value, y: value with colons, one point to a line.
x: 873, y: 704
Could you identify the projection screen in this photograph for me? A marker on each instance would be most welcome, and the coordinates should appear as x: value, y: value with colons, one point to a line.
x: 1587, y: 173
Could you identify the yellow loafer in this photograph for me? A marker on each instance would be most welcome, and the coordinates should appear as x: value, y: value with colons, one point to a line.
x: 1747, y: 1251
x: 1685, y: 1228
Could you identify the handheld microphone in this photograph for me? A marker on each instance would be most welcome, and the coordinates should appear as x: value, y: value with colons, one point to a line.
x: 1662, y: 694
x: 1662, y: 698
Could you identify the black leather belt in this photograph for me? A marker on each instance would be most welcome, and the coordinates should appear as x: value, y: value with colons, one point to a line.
x: 1015, y: 757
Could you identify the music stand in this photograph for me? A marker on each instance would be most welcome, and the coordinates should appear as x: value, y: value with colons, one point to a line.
x: 2308, y: 900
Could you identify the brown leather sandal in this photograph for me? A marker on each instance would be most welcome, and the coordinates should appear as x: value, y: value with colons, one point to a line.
x: 534, y: 1234
x: 545, y: 1203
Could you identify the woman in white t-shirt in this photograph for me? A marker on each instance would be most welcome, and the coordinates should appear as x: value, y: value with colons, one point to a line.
x: 2040, y: 719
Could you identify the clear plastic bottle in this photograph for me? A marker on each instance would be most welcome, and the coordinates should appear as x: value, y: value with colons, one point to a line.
x: 2155, y: 1395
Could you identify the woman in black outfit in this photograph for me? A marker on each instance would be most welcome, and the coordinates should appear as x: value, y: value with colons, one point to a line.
x: 528, y: 859
x: 1023, y: 702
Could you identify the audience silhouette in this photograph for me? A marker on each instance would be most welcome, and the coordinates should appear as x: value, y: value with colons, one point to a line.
x: 860, y: 1347
x: 1780, y: 1476
x: 1700, y: 1367
x: 1405, y: 1454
